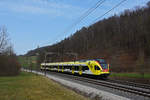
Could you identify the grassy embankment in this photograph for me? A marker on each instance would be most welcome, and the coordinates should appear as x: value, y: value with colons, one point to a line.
x: 28, y: 86
x: 134, y: 77
x: 130, y: 75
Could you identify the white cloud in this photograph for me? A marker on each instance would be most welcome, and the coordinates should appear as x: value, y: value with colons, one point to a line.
x: 34, y: 10
x: 40, y: 7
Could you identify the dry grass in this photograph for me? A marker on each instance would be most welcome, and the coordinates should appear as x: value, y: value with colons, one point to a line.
x: 28, y: 86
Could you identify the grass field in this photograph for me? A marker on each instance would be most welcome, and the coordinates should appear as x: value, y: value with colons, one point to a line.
x: 28, y: 86
x: 131, y: 75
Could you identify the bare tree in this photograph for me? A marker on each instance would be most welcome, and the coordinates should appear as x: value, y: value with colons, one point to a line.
x: 9, y: 50
x: 148, y: 4
x: 8, y: 60
x: 3, y: 39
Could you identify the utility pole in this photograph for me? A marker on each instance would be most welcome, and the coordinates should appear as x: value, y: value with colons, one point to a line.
x: 62, y: 52
x: 74, y: 54
x: 37, y: 55
x: 45, y: 60
x: 45, y: 64
x: 30, y: 61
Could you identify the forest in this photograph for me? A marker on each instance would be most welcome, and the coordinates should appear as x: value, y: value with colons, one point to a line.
x: 123, y: 40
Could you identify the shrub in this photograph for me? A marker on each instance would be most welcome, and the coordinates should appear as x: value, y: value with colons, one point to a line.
x: 9, y: 65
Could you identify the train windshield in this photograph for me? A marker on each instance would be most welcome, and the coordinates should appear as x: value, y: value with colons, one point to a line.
x: 104, y: 66
x: 103, y: 63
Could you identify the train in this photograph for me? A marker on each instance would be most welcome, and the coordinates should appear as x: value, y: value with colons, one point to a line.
x: 93, y: 67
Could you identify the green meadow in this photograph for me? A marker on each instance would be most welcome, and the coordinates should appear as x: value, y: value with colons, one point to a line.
x: 28, y: 86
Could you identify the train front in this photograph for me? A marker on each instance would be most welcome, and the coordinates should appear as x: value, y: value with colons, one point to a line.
x: 103, y: 68
x: 98, y: 68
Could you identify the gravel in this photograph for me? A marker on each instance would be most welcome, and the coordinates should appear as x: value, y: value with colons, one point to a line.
x: 99, y: 87
x: 95, y: 93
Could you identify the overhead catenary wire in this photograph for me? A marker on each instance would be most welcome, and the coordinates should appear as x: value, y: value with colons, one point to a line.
x: 90, y: 11
x: 118, y: 4
x: 84, y: 15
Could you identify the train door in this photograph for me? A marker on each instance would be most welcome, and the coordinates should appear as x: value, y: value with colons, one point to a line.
x: 80, y: 70
x: 72, y: 69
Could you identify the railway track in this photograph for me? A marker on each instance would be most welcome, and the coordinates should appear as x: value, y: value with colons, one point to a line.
x: 129, y: 87
x: 139, y: 85
x: 134, y: 88
x: 125, y: 88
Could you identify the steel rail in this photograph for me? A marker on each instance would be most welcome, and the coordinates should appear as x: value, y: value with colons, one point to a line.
x: 112, y: 85
x: 115, y: 86
x: 139, y: 85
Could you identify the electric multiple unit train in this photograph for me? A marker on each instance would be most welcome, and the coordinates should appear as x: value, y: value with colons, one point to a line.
x: 94, y: 67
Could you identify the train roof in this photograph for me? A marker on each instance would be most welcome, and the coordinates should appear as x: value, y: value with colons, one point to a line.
x: 83, y: 60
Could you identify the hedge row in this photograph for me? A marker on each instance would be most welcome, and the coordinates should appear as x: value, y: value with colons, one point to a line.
x: 9, y: 65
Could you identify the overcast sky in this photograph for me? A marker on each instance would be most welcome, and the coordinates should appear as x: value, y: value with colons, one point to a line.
x: 32, y: 23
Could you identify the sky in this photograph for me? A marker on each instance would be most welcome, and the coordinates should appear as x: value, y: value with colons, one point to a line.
x: 33, y: 23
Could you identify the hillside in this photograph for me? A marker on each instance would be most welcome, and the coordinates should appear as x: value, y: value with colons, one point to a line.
x: 124, y: 40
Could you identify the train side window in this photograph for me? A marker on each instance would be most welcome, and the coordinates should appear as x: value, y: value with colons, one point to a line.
x: 85, y: 68
x: 51, y: 66
x: 64, y: 67
x: 60, y: 67
x: 68, y: 67
x: 97, y: 68
x: 45, y: 66
x: 76, y: 68
x: 55, y: 66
